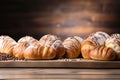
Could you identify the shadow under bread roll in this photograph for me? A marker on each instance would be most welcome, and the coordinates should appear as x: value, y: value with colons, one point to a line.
x: 102, y: 53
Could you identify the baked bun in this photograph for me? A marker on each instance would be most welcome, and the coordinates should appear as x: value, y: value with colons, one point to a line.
x: 114, y: 43
x: 7, y: 44
x: 102, y: 53
x: 73, y: 46
x: 22, y: 45
x: 51, y: 47
x: 92, y: 41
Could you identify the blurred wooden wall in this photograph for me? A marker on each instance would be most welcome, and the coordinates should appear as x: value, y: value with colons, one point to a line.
x: 61, y: 17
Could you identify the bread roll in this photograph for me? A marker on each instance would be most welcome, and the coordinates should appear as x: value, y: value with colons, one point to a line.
x: 73, y: 46
x: 22, y: 45
x: 102, y: 53
x: 92, y: 41
x: 114, y: 43
x: 52, y: 47
x: 7, y: 44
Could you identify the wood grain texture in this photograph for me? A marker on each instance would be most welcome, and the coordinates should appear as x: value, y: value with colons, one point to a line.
x: 60, y: 17
x: 58, y: 74
x: 61, y: 63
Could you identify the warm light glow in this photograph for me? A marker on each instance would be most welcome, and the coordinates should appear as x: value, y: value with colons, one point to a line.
x: 77, y: 30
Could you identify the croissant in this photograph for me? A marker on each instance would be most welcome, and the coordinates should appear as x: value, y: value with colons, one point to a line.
x: 92, y: 41
x: 7, y: 44
x: 114, y: 43
x: 102, y: 53
x: 73, y: 46
x: 51, y: 47
x: 21, y: 46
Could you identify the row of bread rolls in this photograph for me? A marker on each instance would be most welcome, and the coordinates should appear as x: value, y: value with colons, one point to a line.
x: 48, y: 47
x: 98, y: 46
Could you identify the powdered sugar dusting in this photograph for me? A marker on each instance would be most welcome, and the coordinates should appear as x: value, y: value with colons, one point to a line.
x: 1, y: 43
x: 113, y: 42
x: 101, y: 37
x: 48, y: 40
x: 56, y: 44
x: 78, y: 38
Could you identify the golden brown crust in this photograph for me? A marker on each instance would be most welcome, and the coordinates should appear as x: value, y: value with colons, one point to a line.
x: 52, y: 47
x: 73, y: 46
x: 92, y: 41
x: 19, y: 50
x: 48, y: 47
x: 32, y: 52
x: 102, y: 53
x: 7, y: 44
x: 87, y: 46
x: 114, y: 43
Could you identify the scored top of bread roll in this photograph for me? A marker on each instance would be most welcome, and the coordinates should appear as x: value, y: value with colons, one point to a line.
x: 28, y: 39
x: 114, y: 43
x: 73, y: 46
x: 48, y: 39
x: 91, y: 41
x: 6, y: 44
x: 98, y: 38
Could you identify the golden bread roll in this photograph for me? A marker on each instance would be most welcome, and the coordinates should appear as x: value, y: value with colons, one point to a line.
x: 21, y: 46
x: 73, y: 46
x: 114, y: 43
x: 102, y: 53
x: 7, y: 44
x: 90, y: 42
x: 51, y: 47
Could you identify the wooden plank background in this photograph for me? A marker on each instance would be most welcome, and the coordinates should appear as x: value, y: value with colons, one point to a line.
x: 61, y: 17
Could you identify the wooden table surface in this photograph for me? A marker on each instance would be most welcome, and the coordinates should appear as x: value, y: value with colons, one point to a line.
x: 65, y: 69
x: 58, y: 74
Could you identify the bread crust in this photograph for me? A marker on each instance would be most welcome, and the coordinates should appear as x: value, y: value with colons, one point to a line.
x: 7, y: 44
x: 102, y: 53
x: 114, y: 43
x: 92, y: 41
x: 48, y: 47
x: 52, y: 47
x: 73, y: 46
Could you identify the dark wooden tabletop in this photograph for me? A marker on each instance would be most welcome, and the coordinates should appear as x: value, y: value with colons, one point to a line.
x: 67, y: 69
x: 58, y: 74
